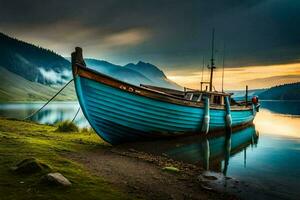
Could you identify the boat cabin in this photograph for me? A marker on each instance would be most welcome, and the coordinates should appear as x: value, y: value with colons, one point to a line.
x: 217, y: 98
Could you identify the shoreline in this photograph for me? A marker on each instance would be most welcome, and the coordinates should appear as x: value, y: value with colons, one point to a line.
x: 142, y: 174
x: 120, y: 170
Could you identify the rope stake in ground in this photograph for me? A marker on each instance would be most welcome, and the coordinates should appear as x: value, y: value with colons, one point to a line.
x: 35, y: 112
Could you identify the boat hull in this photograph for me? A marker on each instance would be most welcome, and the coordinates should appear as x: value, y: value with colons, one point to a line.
x: 119, y: 116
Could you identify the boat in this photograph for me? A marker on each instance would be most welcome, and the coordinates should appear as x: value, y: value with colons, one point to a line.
x: 120, y: 112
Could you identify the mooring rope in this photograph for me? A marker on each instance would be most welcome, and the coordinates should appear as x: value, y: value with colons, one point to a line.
x: 76, y: 114
x: 35, y: 112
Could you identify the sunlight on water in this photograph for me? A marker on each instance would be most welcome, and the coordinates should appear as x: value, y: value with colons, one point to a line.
x: 268, y: 122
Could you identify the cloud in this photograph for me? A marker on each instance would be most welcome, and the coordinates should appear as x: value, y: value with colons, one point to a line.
x: 55, y: 77
x: 271, y: 81
x: 173, y: 34
x: 237, y: 78
x: 128, y: 37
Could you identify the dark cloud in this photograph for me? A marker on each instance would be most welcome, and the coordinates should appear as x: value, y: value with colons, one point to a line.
x: 166, y: 32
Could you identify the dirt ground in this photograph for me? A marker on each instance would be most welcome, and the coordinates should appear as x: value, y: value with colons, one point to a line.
x: 142, y: 174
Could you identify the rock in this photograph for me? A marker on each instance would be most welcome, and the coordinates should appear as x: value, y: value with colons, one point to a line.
x: 171, y: 169
x: 56, y: 179
x: 210, y: 177
x: 30, y: 166
x: 132, y: 150
x: 206, y: 187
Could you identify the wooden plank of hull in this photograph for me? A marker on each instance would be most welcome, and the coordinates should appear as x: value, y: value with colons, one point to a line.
x: 142, y: 91
x: 118, y: 115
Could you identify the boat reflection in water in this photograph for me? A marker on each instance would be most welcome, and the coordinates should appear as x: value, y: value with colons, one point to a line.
x: 211, y: 152
x: 214, y: 153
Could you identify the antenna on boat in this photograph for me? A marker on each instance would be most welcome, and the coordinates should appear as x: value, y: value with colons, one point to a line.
x: 202, y: 72
x: 212, y: 64
x: 223, y: 68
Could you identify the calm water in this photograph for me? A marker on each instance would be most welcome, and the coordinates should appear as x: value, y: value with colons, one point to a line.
x: 51, y: 114
x: 266, y: 155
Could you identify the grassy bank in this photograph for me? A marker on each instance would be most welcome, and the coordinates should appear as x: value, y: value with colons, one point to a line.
x: 20, y: 140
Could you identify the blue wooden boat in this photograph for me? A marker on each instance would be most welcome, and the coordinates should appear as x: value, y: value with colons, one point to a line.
x: 120, y: 112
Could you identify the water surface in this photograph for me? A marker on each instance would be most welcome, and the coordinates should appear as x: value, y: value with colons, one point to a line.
x: 266, y: 155
x: 51, y: 114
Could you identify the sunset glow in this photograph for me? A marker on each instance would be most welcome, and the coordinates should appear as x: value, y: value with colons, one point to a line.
x: 284, y: 125
x: 238, y: 77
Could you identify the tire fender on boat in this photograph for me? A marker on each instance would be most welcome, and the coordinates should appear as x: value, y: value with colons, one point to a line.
x: 206, y: 117
x: 254, y: 110
x: 228, y: 118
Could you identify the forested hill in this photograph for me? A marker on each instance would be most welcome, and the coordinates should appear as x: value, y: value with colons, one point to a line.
x: 282, y: 92
x: 31, y: 62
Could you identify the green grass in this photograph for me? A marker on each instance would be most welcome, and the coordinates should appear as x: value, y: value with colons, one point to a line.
x: 67, y: 126
x: 20, y: 140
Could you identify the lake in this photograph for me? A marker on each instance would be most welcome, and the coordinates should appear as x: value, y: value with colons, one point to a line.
x: 51, y: 114
x: 267, y: 155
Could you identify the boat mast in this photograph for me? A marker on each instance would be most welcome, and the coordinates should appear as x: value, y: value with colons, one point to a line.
x: 212, y: 64
x: 223, y: 68
x: 203, y: 63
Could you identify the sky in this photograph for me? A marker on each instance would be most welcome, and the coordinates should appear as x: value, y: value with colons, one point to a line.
x: 261, y: 37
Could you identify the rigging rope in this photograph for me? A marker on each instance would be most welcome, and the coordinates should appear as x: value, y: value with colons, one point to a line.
x: 76, y: 114
x: 35, y: 112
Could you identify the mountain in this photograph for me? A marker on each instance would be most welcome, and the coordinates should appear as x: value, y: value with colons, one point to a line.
x: 154, y: 74
x: 140, y: 73
x: 29, y: 72
x: 16, y: 88
x: 271, y: 81
x: 117, y: 71
x: 282, y: 92
x: 149, y: 70
x: 33, y: 63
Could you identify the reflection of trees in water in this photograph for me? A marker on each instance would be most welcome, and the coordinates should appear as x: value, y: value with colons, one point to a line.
x: 282, y: 107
